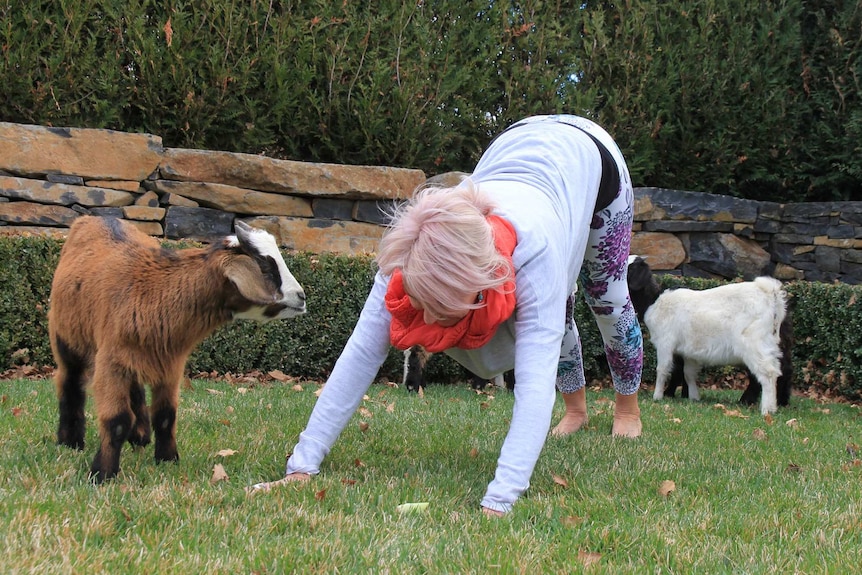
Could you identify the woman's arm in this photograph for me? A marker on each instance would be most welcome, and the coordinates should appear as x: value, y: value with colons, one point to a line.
x: 364, y: 353
x: 538, y: 335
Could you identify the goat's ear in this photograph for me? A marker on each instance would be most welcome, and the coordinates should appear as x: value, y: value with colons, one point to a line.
x: 639, y: 273
x: 245, y: 275
x: 243, y: 231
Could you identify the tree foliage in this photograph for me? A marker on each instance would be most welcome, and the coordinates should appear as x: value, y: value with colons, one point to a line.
x: 758, y: 100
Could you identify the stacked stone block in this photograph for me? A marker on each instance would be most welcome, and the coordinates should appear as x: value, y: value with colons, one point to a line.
x: 50, y: 176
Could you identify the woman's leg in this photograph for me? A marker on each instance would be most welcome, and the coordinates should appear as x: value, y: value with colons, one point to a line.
x: 570, y: 377
x: 604, y: 280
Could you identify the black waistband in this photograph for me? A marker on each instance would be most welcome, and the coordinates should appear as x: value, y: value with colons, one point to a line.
x: 609, y: 184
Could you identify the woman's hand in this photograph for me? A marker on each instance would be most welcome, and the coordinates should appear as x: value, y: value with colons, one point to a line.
x: 289, y: 478
x: 491, y: 512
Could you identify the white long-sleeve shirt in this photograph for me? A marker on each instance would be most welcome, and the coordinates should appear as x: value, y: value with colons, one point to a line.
x: 543, y: 177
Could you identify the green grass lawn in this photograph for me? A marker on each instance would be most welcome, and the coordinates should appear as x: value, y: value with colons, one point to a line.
x: 751, y: 495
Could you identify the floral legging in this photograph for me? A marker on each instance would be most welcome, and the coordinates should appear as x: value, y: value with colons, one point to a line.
x: 603, y: 278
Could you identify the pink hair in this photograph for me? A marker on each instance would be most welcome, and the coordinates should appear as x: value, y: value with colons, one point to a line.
x: 444, y: 246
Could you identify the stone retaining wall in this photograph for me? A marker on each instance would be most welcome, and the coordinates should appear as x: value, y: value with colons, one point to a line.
x: 50, y: 176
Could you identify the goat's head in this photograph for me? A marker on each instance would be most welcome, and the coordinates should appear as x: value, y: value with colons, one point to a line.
x: 643, y: 289
x: 259, y: 273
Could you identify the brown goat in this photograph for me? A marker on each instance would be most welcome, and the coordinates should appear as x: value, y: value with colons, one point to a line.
x: 126, y: 312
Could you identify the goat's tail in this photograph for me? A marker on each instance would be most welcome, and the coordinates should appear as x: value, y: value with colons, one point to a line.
x: 778, y: 301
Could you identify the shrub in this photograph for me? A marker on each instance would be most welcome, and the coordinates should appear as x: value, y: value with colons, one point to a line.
x: 827, y: 323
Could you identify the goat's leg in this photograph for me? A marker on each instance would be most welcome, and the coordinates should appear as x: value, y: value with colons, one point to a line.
x: 414, y: 367
x: 691, y: 369
x: 166, y: 397
x: 140, y: 434
x: 752, y: 392
x: 664, y: 366
x: 111, y: 386
x: 71, y: 394
x: 766, y: 367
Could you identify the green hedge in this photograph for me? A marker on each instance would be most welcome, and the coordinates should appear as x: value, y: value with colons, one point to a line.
x: 827, y: 323
x: 761, y: 100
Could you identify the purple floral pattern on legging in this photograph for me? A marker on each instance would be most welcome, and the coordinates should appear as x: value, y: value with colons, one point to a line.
x: 602, y: 278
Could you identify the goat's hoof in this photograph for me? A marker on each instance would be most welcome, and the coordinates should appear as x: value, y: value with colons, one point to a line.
x: 99, y: 476
x: 164, y: 458
x: 76, y: 444
x: 139, y: 439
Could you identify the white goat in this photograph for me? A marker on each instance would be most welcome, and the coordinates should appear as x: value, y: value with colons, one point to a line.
x: 733, y: 324
x: 128, y: 312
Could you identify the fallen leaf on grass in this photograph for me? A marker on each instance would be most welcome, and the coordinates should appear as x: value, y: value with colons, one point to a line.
x: 16, y: 411
x: 363, y: 426
x: 278, y: 375
x: 474, y: 453
x: 768, y: 419
x: 320, y: 495
x: 560, y: 481
x: 296, y: 387
x: 348, y: 482
x: 572, y: 521
x: 214, y: 391
x: 792, y: 422
x: 390, y: 408
x: 219, y: 473
x: 586, y: 558
x: 412, y: 507
x: 365, y: 412
x: 759, y: 434
x: 730, y: 412
x: 227, y: 452
x: 793, y: 468
x: 666, y: 488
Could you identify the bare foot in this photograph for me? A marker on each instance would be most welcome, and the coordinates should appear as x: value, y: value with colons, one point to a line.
x: 570, y: 423
x: 576, y: 413
x: 627, y: 416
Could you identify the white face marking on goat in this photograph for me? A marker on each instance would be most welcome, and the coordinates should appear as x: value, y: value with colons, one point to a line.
x: 292, y: 294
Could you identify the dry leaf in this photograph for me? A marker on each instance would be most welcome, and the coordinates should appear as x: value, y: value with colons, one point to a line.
x: 348, y: 482
x: 320, y: 495
x: 572, y: 521
x: 586, y: 558
x: 768, y: 419
x: 759, y: 434
x: 219, y: 473
x: 169, y: 32
x: 421, y: 393
x: 227, y: 452
x: 560, y: 481
x: 364, y: 412
x: 792, y: 422
x: 474, y: 453
x: 794, y: 468
x: 278, y: 375
x: 296, y: 387
x: 242, y: 390
x: 318, y: 391
x: 666, y: 488
x: 390, y: 408
x: 215, y: 391
x: 358, y: 463
x: 363, y: 426
x: 16, y: 411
